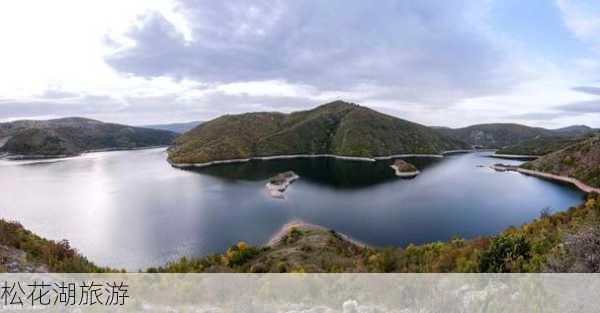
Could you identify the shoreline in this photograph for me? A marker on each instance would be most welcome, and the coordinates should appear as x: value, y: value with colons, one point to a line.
x: 33, y: 157
x: 565, y: 179
x: 573, y: 181
x: 514, y: 156
x: 300, y: 156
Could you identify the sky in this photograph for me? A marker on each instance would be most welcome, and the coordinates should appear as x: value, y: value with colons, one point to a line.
x: 442, y: 63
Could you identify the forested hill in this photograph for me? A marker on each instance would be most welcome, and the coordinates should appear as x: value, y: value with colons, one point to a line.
x: 338, y: 128
x: 501, y: 135
x: 580, y: 160
x: 72, y: 136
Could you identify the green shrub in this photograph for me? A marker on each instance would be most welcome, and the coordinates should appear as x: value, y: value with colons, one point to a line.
x: 506, y: 253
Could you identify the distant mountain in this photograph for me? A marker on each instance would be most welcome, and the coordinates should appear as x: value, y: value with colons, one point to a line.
x: 575, y: 130
x: 580, y: 160
x: 495, y: 135
x: 72, y: 136
x: 338, y: 128
x: 540, y: 145
x: 503, y: 135
x: 179, y: 128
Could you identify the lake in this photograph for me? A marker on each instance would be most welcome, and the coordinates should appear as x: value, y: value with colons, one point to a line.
x: 131, y: 209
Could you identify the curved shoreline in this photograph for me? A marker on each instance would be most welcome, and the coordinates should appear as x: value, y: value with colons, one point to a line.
x: 565, y: 179
x: 574, y: 181
x: 301, y: 156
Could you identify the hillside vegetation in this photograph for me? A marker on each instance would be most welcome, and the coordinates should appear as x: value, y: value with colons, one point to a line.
x: 23, y: 251
x: 72, y: 136
x: 580, y: 160
x: 335, y: 128
x: 499, y: 135
x: 540, y: 146
x: 495, y: 135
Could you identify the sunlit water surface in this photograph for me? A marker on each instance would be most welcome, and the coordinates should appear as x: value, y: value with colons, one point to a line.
x: 132, y: 210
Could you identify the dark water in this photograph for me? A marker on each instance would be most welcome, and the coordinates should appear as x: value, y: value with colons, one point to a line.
x: 131, y: 209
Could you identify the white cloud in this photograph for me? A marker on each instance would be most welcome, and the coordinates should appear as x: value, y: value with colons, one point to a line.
x: 582, y: 17
x: 425, y: 61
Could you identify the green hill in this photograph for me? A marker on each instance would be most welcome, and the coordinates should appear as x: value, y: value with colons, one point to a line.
x: 580, y: 160
x: 540, y: 146
x: 501, y: 135
x: 338, y: 128
x: 72, y: 136
x: 574, y: 130
x: 495, y: 135
x: 179, y: 128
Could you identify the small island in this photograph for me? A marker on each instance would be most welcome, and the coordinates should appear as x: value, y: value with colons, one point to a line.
x: 404, y: 169
x: 279, y: 183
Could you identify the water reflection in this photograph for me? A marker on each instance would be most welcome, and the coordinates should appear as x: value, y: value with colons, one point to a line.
x: 131, y: 209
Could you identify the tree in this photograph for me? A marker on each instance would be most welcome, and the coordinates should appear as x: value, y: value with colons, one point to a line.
x: 505, y: 254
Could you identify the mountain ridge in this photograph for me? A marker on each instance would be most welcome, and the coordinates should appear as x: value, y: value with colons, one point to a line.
x: 179, y: 128
x: 336, y: 128
x: 74, y: 135
x: 501, y: 135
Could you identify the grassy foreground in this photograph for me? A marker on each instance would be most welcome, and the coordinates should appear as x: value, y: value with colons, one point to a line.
x: 23, y: 251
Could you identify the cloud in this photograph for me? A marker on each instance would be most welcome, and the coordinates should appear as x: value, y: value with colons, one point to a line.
x: 582, y: 17
x: 540, y: 116
x: 591, y: 106
x: 58, y: 107
x: 423, y: 50
x: 58, y: 94
x: 207, y: 104
x: 427, y: 61
x: 588, y: 90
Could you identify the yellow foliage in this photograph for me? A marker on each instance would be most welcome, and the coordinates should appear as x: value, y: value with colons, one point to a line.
x: 590, y: 204
x: 242, y: 246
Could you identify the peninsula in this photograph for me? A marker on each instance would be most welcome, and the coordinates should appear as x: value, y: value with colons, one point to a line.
x: 577, y: 164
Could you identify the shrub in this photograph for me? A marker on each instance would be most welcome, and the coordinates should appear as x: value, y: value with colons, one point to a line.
x: 239, y: 254
x: 506, y: 253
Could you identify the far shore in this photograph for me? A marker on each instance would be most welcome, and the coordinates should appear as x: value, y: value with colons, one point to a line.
x: 33, y: 157
x: 514, y: 156
x: 300, y: 156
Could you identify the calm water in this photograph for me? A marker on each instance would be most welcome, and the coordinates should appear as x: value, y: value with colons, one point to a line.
x: 131, y: 209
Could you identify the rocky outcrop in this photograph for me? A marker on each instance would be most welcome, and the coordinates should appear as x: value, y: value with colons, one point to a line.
x: 404, y: 169
x: 15, y: 261
x: 279, y: 183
